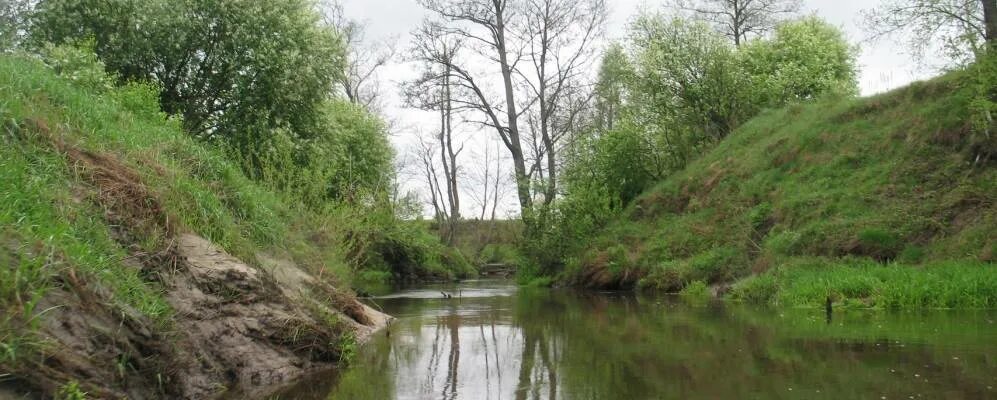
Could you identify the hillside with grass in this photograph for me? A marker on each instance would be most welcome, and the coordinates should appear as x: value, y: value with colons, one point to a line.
x: 882, y: 201
x: 137, y: 261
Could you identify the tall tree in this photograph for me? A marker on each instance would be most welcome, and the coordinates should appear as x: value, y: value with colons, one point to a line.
x: 434, y: 90
x: 610, y: 88
x: 234, y: 69
x: 560, y: 36
x: 486, y: 24
x: 554, y: 38
x: 741, y: 19
x: 962, y: 28
x: 804, y: 59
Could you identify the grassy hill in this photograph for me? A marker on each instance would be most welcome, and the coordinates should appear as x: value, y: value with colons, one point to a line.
x: 876, y: 201
x: 137, y: 262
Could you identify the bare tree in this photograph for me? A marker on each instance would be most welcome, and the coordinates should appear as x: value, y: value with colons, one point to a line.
x: 434, y: 90
x: 554, y: 36
x: 560, y: 34
x: 426, y: 153
x: 359, y: 81
x: 490, y: 182
x: 960, y: 27
x: 485, y: 23
x: 741, y: 19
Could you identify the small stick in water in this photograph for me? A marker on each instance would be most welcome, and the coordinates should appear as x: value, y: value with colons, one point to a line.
x: 829, y: 308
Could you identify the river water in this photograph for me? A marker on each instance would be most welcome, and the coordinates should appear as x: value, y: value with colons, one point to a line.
x: 497, y: 341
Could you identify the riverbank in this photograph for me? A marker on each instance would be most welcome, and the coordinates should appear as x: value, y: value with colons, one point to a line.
x: 141, y: 263
x: 868, y: 201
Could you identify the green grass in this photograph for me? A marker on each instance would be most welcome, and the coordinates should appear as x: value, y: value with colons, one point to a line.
x: 866, y: 284
x: 696, y: 292
x: 884, y: 180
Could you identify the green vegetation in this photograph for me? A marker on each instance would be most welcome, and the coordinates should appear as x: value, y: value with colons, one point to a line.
x: 96, y: 177
x: 489, y: 241
x: 867, y: 200
x: 708, y: 162
x: 863, y: 283
x: 673, y: 92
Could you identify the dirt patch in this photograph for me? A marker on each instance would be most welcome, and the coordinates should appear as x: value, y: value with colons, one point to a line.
x: 244, y: 330
x: 234, y: 330
x: 597, y: 274
x: 113, y: 351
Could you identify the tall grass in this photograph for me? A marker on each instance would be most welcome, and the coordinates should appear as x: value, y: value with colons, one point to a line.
x: 868, y: 284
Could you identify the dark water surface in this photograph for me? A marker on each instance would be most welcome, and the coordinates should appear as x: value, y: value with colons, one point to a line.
x: 500, y: 342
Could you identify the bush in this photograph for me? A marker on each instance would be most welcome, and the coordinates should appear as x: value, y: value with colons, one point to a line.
x: 717, y: 265
x: 77, y: 62
x: 759, y: 289
x: 696, y: 292
x: 878, y: 244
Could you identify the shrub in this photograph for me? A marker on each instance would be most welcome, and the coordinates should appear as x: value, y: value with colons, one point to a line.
x: 878, y: 244
x: 760, y: 289
x: 696, y: 292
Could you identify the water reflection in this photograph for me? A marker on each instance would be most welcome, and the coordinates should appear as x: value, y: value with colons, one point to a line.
x: 499, y: 343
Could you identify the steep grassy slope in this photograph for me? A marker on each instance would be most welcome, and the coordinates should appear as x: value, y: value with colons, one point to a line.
x: 875, y: 200
x: 106, y: 285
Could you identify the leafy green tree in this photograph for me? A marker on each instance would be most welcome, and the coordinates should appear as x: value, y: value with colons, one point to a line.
x: 13, y: 21
x: 688, y: 87
x: 347, y: 158
x: 805, y: 59
x: 611, y: 86
x: 236, y: 70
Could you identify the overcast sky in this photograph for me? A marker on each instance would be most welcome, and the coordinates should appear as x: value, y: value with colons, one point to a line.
x: 883, y: 65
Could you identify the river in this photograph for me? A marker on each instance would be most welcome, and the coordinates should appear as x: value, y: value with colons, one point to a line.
x: 497, y: 341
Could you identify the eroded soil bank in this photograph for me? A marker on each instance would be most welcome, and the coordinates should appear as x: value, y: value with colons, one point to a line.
x: 236, y: 330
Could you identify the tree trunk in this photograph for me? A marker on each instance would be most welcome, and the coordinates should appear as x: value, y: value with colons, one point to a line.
x: 515, y: 146
x: 990, y: 20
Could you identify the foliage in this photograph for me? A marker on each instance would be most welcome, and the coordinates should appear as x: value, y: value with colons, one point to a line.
x: 805, y: 59
x: 891, y: 178
x: 248, y: 73
x: 72, y: 391
x: 680, y: 90
x: 402, y: 250
x: 13, y: 22
x: 696, y: 292
x: 347, y: 159
x: 981, y: 79
x: 51, y: 225
x: 78, y: 63
x: 688, y: 87
x: 615, y: 71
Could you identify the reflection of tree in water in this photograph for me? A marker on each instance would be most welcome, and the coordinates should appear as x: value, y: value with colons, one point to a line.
x: 453, y: 323
x: 564, y: 345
